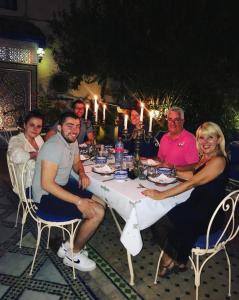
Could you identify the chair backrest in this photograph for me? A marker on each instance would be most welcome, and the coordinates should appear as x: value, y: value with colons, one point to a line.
x: 229, y: 206
x: 13, y: 175
x: 25, y: 173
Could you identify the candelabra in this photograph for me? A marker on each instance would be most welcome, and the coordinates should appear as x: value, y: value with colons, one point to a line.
x: 139, y: 134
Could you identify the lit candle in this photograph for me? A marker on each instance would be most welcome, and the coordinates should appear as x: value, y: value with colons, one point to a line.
x: 151, y: 113
x: 96, y: 112
x: 104, y: 109
x: 86, y: 110
x: 95, y: 106
x: 126, y: 117
x: 142, y: 112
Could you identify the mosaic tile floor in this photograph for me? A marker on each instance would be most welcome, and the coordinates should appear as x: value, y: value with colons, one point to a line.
x: 52, y: 280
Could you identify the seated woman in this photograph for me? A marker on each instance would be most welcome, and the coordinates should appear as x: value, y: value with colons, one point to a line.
x: 177, y: 231
x: 146, y: 149
x: 26, y: 145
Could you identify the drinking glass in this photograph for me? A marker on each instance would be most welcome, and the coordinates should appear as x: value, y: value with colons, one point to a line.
x: 151, y: 171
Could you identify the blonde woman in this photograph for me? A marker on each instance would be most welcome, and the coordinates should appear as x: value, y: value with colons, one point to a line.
x: 178, y: 230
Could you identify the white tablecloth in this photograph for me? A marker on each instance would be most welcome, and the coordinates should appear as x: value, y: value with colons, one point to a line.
x: 138, y: 211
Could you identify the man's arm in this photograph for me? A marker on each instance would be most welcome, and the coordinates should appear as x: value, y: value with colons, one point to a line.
x: 79, y: 169
x: 48, y: 175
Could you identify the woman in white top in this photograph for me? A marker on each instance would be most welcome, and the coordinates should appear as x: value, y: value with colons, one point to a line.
x: 26, y: 145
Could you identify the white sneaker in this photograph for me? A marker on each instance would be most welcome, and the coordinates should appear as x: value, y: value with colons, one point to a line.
x: 81, y: 262
x: 65, y: 247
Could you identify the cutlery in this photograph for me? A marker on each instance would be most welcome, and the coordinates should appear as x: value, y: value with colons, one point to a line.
x: 108, y: 179
x: 141, y: 186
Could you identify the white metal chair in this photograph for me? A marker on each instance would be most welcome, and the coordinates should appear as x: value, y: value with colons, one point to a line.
x: 210, y: 244
x: 44, y: 221
x: 15, y: 188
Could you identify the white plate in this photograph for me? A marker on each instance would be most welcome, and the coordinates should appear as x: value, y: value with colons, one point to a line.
x: 162, y: 179
x: 150, y: 162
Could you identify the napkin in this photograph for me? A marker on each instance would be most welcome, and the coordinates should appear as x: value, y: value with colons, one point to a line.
x: 163, y: 179
x: 83, y: 157
x: 151, y: 162
x: 104, y: 169
x: 131, y: 237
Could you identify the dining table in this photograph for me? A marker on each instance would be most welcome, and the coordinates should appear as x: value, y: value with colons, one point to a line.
x: 125, y: 198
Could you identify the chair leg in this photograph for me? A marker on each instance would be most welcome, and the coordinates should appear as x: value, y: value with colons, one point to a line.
x: 229, y: 272
x: 48, y: 237
x: 63, y: 235
x: 192, y: 257
x: 18, y: 209
x: 72, y: 247
x: 197, y: 276
x: 157, y: 270
x: 24, y: 217
x: 37, y: 246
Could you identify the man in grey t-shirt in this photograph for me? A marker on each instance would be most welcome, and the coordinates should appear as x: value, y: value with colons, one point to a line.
x: 58, y: 196
x: 86, y: 131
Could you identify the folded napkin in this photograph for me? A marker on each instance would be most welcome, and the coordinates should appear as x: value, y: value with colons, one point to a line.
x: 83, y: 157
x: 84, y: 145
x: 152, y: 162
x: 163, y: 179
x: 104, y: 169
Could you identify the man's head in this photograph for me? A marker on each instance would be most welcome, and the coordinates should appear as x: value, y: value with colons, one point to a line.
x: 69, y: 126
x: 175, y: 120
x: 78, y: 107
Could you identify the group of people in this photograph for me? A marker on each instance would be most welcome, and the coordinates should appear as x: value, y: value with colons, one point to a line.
x: 201, y: 160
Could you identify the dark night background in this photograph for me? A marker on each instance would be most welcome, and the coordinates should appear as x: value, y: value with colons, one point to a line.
x: 188, y: 49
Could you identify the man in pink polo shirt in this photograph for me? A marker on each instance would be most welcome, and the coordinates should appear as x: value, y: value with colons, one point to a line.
x: 177, y: 146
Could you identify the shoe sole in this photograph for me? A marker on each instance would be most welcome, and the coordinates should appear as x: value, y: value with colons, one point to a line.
x: 62, y: 254
x: 69, y: 264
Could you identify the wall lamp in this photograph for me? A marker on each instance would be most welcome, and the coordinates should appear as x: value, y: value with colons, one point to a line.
x: 40, y: 54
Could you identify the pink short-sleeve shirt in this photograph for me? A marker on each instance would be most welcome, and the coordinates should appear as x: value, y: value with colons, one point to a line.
x: 180, y: 151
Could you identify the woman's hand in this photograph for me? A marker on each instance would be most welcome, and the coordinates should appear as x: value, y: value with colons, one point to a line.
x: 154, y: 194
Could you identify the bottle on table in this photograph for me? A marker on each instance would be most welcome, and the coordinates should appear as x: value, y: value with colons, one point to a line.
x: 119, y: 153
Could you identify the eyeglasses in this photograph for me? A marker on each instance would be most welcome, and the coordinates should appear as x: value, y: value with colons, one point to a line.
x: 177, y: 120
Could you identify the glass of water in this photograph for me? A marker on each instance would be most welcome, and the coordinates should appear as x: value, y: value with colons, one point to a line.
x: 151, y: 171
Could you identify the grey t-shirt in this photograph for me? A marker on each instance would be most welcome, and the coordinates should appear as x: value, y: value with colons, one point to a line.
x: 85, y: 128
x: 57, y: 150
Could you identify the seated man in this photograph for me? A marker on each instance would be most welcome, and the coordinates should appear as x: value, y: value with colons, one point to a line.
x: 60, y: 197
x: 177, y: 146
x: 86, y: 131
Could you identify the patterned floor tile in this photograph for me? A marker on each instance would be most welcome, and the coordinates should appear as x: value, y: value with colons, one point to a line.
x: 14, y: 263
x: 49, y: 272
x: 30, y: 295
x: 3, y: 289
x: 28, y: 241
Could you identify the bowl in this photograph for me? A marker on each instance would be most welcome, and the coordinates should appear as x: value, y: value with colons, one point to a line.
x: 121, y: 175
x: 165, y: 171
x: 100, y: 160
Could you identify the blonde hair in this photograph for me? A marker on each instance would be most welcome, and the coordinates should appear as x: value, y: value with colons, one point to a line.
x: 210, y: 128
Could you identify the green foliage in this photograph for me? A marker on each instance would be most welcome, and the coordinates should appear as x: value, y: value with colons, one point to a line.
x: 156, y: 47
